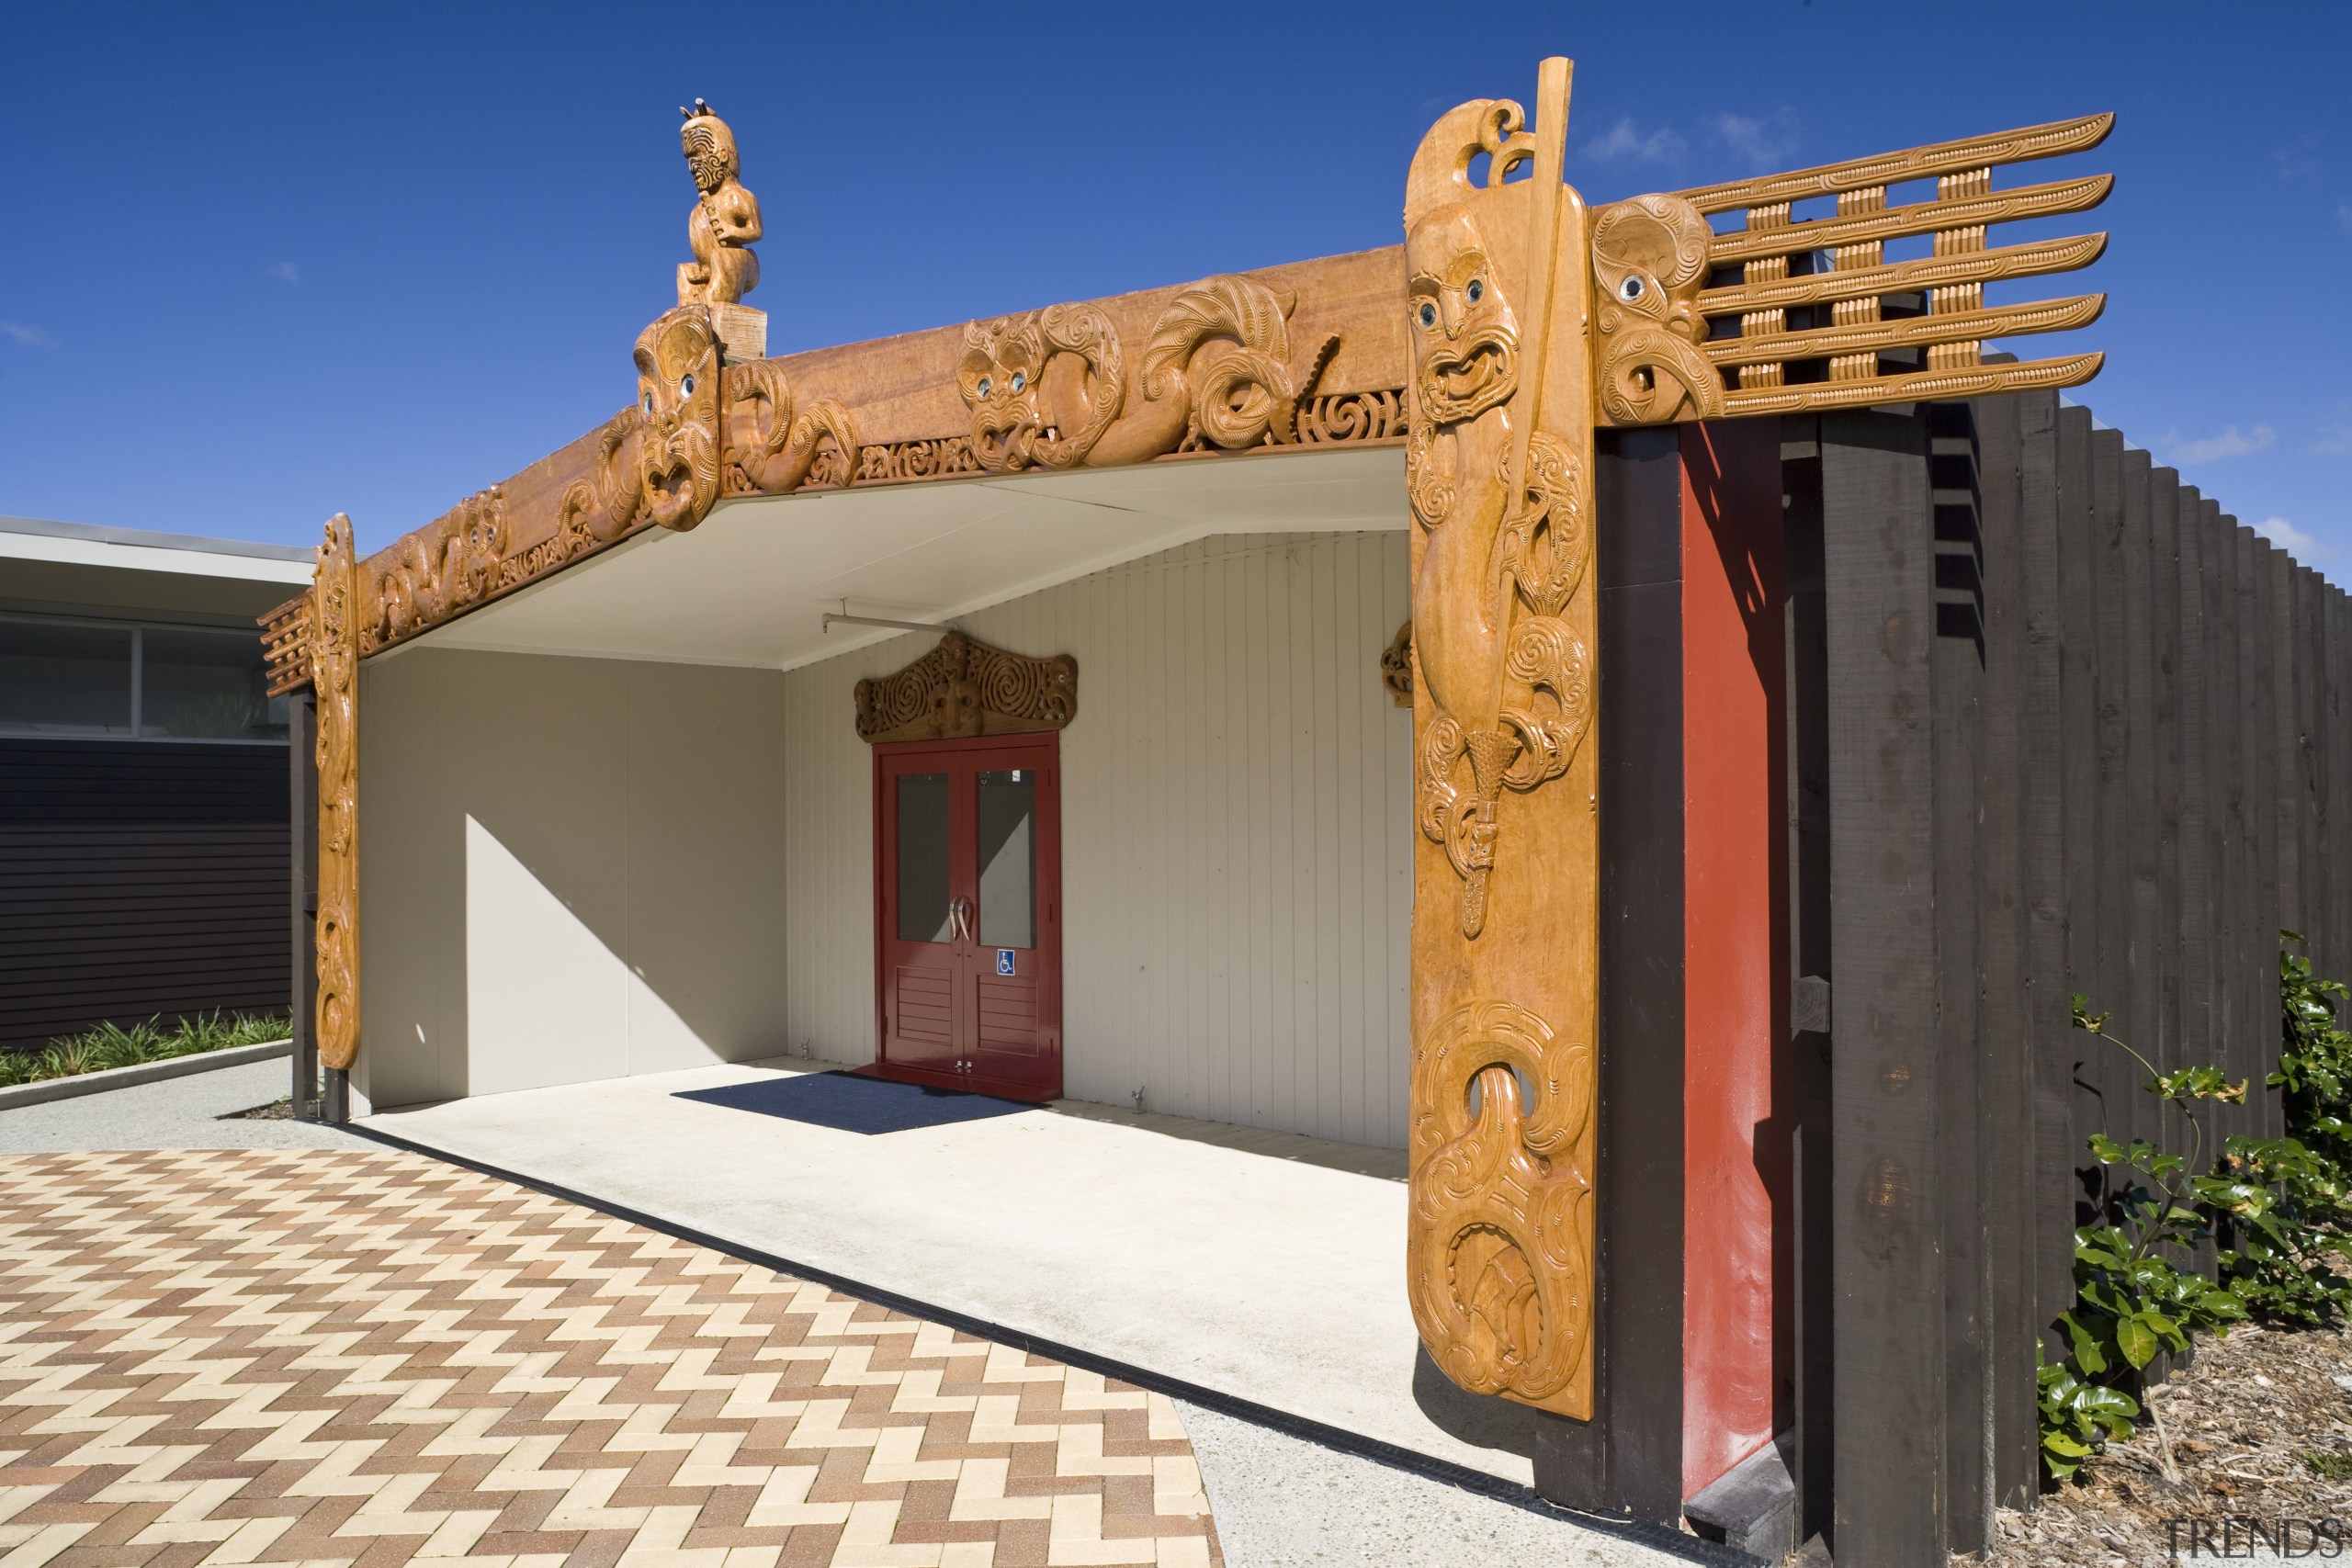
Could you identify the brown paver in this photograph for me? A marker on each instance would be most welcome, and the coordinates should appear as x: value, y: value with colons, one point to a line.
x: 282, y: 1356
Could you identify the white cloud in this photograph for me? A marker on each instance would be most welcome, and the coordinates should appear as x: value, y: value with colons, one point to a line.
x: 2295, y: 159
x: 1758, y: 140
x: 287, y: 271
x: 2291, y: 539
x: 2229, y: 443
x: 32, y: 337
x: 1623, y: 142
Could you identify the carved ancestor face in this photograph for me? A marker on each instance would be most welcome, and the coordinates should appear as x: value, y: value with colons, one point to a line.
x: 710, y: 151
x: 1649, y: 260
x: 1003, y: 363
x: 677, y: 399
x: 1466, y: 340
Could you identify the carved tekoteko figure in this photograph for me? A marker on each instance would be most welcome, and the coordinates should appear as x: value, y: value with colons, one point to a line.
x: 725, y: 222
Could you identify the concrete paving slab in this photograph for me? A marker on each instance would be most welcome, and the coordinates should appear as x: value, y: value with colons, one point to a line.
x: 1261, y: 1272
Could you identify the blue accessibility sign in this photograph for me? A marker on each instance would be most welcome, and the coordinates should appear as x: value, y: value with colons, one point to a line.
x: 1004, y: 960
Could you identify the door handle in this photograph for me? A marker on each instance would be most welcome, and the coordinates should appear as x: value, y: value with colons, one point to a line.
x: 959, y: 917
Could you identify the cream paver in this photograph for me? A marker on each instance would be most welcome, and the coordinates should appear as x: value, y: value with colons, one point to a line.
x: 249, y: 1357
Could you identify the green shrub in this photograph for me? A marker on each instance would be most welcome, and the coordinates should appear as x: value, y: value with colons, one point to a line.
x: 2281, y: 1204
x: 111, y: 1046
x: 2077, y: 1417
x: 2278, y: 1210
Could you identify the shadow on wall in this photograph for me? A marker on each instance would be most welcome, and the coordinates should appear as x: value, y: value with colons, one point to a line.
x: 571, y: 869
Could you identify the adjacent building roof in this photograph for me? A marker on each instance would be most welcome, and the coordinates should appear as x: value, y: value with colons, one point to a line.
x: 143, y: 550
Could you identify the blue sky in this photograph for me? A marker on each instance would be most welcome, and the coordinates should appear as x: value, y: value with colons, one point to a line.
x: 265, y: 263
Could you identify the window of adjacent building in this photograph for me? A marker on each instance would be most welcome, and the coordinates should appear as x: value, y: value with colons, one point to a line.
x: 91, y: 679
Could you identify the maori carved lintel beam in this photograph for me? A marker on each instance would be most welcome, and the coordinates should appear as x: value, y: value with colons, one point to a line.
x: 964, y: 688
x: 337, y: 616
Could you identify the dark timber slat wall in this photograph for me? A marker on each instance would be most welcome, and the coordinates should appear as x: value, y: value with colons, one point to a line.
x: 2041, y: 782
x: 2286, y: 814
x: 2163, y: 596
x: 2110, y: 979
x: 2141, y: 1006
x: 1879, y: 571
x: 2319, y: 770
x: 1810, y: 918
x: 2226, y: 754
x: 2195, y: 912
x: 1965, y: 1121
x: 2017, y: 1170
x: 138, y: 879
x: 2076, y: 640
x: 2337, y: 739
x: 2258, y: 689
x: 2082, y: 732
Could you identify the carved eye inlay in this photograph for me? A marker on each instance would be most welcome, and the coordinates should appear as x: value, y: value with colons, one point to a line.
x: 686, y: 387
x: 1019, y: 381
x: 1428, y: 314
x: 1476, y: 291
x: 1630, y: 289
x: 983, y: 388
x: 646, y: 402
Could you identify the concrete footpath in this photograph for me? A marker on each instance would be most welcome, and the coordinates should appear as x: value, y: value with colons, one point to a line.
x: 1277, y: 1280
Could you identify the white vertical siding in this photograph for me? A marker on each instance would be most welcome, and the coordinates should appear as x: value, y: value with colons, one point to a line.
x: 1237, y: 869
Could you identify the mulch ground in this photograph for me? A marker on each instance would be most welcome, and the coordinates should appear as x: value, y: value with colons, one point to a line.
x: 2260, y: 1430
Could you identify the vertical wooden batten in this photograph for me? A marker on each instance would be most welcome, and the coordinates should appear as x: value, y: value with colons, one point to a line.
x: 2013, y: 1166
x: 1628, y: 1457
x: 1963, y: 1116
x: 1887, y: 1205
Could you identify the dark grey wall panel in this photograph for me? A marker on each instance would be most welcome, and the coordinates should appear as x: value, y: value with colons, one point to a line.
x: 139, y: 880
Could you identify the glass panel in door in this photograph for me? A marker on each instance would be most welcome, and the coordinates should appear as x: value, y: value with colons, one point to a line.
x: 922, y: 845
x: 1008, y: 856
x: 920, y: 956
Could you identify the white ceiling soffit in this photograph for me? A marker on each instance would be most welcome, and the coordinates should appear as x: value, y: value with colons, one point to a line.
x: 749, y: 586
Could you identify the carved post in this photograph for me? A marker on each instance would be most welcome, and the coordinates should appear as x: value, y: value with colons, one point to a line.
x: 335, y: 621
x: 1499, y: 465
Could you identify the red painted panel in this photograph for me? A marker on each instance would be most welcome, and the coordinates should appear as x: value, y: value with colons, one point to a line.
x: 1735, y: 1010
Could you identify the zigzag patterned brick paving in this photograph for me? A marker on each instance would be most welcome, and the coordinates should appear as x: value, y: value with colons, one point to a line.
x: 318, y: 1357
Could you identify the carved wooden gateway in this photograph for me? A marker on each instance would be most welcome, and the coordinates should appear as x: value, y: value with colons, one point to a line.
x: 1513, y: 326
x: 1532, y: 321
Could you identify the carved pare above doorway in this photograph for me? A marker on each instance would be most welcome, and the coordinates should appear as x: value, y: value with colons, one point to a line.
x: 964, y: 688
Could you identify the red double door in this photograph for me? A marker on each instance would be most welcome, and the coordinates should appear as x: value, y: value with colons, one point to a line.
x: 968, y: 902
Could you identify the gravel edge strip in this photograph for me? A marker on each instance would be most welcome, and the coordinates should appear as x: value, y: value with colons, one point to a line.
x: 47, y: 1090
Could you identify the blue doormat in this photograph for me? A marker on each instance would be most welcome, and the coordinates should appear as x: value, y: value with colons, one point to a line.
x: 853, y: 1103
